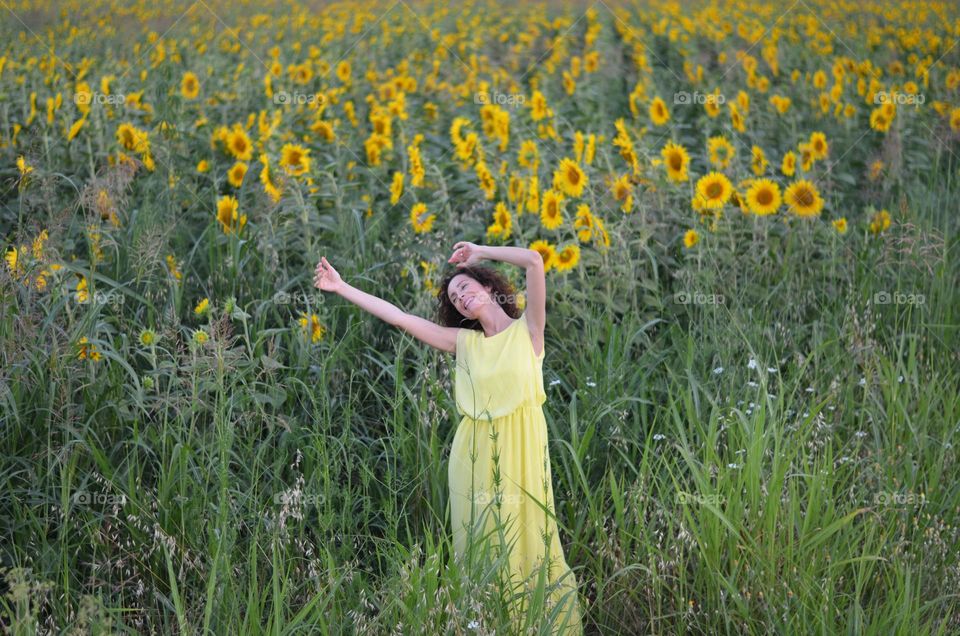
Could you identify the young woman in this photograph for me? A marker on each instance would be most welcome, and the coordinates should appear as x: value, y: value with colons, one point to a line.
x: 499, y: 463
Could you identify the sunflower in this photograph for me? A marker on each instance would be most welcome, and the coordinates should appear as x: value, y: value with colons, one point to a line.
x: 622, y: 191
x: 584, y: 222
x: 396, y: 187
x: 528, y: 156
x: 690, y: 238
x: 714, y: 189
x: 239, y: 144
x: 311, y: 327
x: 131, y: 137
x: 569, y: 178
x: 840, y: 225
x: 878, y: 121
x: 533, y: 194
x: 228, y: 215
x: 547, y: 253
x: 789, y: 165
x: 173, y: 268
x: 294, y: 159
x: 803, y: 199
x: 538, y: 106
x: 343, y: 71
x: 758, y: 162
x: 85, y: 349
x: 954, y: 120
x: 658, y: 112
x: 23, y: 168
x: 421, y: 225
x: 82, y: 292
x: 148, y: 337
x: 190, y: 85
x: 806, y: 156
x: 551, y: 210
x: 270, y: 185
x: 736, y: 118
x: 818, y: 146
x: 502, y: 221
x: 568, y: 258
x: 236, y: 174
x: 202, y: 308
x: 676, y: 159
x: 200, y: 337
x: 12, y: 257
x: 763, y: 197
x: 879, y: 222
x: 721, y: 151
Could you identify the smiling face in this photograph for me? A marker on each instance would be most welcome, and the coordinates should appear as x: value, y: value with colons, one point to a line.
x: 467, y: 295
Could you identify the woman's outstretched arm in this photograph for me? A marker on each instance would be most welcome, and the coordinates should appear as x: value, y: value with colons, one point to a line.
x: 443, y: 338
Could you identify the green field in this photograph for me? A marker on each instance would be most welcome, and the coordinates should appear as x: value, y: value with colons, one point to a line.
x: 751, y: 369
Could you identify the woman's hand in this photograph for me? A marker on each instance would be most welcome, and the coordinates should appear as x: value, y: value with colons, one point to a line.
x: 465, y: 253
x: 327, y: 278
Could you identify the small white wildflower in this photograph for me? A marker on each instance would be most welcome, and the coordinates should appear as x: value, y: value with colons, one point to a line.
x: 844, y: 459
x: 752, y: 364
x: 473, y: 625
x: 718, y: 370
x: 753, y: 384
x: 552, y: 382
x: 831, y: 408
x: 749, y: 411
x: 751, y: 405
x: 739, y: 402
x: 809, y: 389
x: 734, y: 465
x: 591, y: 384
x: 900, y: 379
x: 863, y: 381
x: 861, y: 433
x: 659, y: 436
x: 771, y: 396
x: 771, y: 370
x: 740, y: 452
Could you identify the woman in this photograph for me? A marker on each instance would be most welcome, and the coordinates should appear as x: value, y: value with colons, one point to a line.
x: 500, y: 479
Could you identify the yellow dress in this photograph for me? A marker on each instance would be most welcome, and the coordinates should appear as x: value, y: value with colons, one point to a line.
x: 499, y: 393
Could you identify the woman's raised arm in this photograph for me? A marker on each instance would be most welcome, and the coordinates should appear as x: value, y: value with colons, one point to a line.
x: 443, y: 338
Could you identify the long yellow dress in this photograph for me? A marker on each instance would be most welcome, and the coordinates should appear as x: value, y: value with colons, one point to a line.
x: 500, y: 446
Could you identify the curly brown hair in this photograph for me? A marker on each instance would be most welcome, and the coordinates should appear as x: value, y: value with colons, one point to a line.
x: 501, y: 291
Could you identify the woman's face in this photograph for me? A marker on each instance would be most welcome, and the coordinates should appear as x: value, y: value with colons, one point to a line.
x: 467, y: 295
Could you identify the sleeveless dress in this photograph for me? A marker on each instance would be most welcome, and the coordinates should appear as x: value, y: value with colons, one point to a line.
x: 500, y: 456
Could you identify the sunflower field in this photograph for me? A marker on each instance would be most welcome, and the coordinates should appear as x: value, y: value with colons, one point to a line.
x: 747, y: 213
